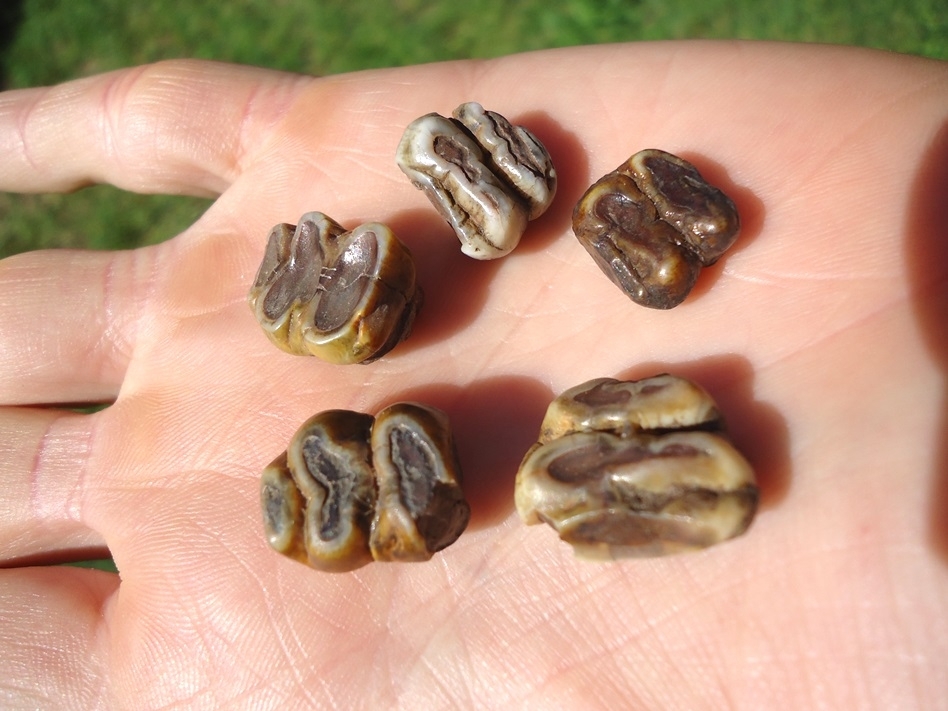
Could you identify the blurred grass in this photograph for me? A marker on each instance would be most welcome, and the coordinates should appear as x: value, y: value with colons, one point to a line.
x: 49, y: 41
x: 106, y: 564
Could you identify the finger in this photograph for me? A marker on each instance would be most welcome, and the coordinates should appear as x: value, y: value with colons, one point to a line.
x: 68, y: 323
x: 179, y: 127
x: 53, y: 636
x: 43, y: 460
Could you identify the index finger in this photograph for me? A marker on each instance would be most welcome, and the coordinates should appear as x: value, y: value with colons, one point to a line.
x: 175, y: 127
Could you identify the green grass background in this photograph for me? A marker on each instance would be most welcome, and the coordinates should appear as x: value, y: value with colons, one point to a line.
x: 44, y: 42
x: 49, y: 41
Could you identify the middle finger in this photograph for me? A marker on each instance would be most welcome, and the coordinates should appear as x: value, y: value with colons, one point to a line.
x: 68, y: 323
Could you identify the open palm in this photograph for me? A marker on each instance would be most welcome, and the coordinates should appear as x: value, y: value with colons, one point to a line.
x: 821, y: 334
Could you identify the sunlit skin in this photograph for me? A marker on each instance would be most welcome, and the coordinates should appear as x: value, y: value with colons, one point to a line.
x: 820, y: 334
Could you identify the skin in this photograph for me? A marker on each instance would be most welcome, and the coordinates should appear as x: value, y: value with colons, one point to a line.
x: 821, y: 334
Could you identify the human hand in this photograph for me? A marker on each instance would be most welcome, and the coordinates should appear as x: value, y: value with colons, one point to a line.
x: 821, y: 334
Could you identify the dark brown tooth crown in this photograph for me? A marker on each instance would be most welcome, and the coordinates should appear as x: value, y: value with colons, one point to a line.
x: 652, y: 223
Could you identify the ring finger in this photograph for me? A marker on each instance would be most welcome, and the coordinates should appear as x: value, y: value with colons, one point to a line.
x: 43, y: 485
